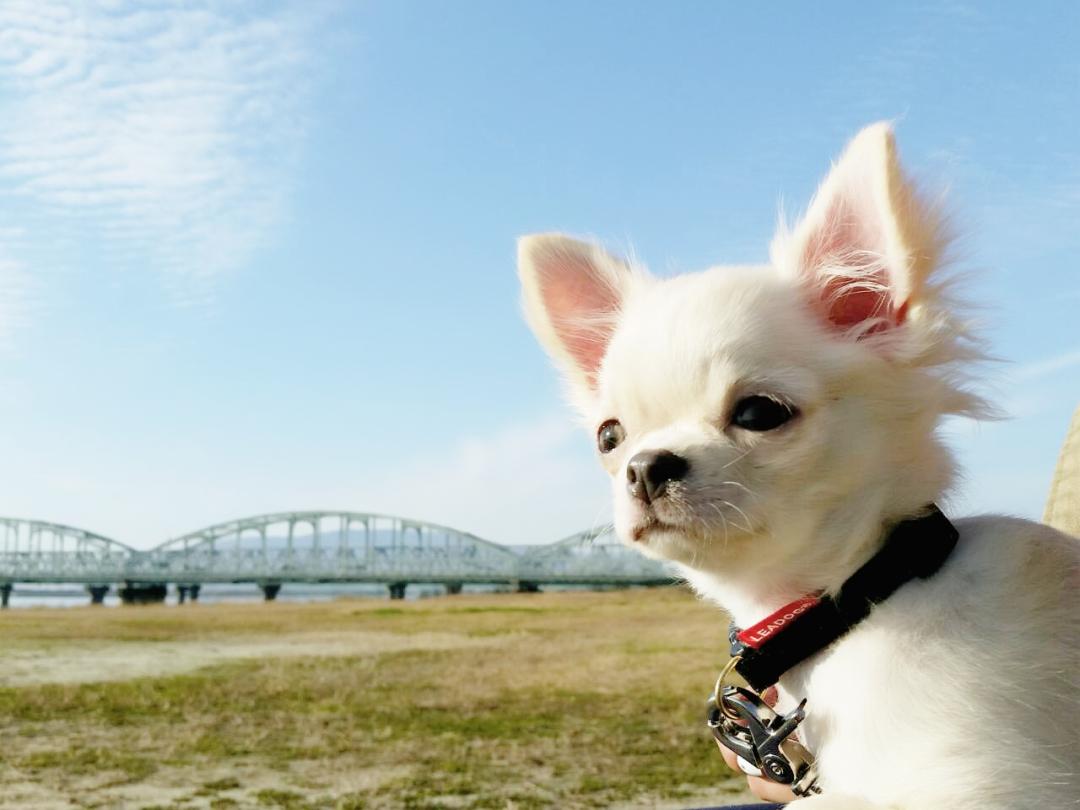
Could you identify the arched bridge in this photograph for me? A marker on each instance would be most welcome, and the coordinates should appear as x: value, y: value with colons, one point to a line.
x: 314, y: 546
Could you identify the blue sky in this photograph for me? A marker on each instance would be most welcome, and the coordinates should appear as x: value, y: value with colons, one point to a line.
x: 260, y: 257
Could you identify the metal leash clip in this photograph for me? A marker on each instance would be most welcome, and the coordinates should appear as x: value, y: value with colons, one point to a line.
x: 742, y: 722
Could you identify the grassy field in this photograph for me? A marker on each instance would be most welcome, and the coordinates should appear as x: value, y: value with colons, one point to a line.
x: 523, y: 701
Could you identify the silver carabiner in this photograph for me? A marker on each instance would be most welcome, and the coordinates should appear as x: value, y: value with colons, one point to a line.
x: 744, y: 724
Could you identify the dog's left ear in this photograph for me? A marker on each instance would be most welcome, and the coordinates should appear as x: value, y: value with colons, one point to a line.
x: 867, y: 243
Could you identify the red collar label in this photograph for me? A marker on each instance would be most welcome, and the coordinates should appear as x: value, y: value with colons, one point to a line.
x: 774, y: 623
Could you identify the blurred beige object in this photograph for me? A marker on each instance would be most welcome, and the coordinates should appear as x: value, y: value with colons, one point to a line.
x: 1063, y: 505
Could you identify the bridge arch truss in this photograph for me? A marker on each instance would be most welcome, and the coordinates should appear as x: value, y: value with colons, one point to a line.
x: 327, y: 547
x: 38, y: 551
x: 592, y: 556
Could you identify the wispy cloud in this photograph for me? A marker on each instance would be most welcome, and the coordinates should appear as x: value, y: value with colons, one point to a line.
x: 529, y: 482
x: 1047, y: 366
x: 167, y: 131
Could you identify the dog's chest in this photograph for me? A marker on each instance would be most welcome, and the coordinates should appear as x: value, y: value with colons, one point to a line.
x: 873, y: 708
x: 854, y: 695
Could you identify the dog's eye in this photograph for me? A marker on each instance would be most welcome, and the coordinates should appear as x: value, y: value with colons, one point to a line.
x: 760, y: 413
x: 610, y: 435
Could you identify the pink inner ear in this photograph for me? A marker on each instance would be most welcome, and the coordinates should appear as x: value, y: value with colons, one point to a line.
x: 580, y: 304
x: 844, y: 259
x: 846, y: 306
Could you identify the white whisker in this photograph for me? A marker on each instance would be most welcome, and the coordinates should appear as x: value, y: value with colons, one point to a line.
x: 743, y: 487
x: 736, y: 460
x: 748, y: 529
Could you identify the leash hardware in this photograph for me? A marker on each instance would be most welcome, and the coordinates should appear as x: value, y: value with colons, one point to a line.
x: 744, y: 724
x: 721, y: 684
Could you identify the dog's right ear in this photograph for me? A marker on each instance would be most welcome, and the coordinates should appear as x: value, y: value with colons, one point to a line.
x: 572, y: 293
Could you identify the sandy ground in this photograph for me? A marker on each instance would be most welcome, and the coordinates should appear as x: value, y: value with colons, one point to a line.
x: 176, y: 791
x: 72, y: 662
x: 173, y: 787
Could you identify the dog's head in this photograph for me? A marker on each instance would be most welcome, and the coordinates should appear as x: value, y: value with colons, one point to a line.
x: 769, y: 418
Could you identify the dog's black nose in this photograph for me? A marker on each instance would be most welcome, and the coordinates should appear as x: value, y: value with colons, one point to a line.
x: 649, y: 472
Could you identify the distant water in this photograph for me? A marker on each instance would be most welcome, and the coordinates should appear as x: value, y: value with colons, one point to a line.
x: 29, y: 596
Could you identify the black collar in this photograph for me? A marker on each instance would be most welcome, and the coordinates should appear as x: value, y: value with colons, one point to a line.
x: 916, y: 547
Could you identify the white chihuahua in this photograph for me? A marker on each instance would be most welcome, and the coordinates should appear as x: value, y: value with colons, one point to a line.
x: 764, y: 427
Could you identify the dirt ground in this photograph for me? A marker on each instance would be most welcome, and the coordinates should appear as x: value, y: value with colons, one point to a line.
x: 86, y: 662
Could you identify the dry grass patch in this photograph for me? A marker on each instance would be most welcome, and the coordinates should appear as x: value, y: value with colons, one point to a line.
x: 570, y: 700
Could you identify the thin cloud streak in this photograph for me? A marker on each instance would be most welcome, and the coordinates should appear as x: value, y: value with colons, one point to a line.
x: 1048, y: 366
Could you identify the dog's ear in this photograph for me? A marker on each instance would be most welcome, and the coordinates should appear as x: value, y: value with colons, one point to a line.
x: 867, y: 243
x: 572, y: 293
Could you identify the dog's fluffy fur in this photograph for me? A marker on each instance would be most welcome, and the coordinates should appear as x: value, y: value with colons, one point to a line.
x: 959, y: 692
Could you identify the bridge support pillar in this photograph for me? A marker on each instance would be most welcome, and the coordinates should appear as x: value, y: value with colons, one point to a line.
x: 97, y: 593
x: 5, y: 593
x: 453, y: 588
x: 143, y: 593
x: 186, y: 592
x: 397, y: 589
x: 526, y: 586
x: 270, y: 590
